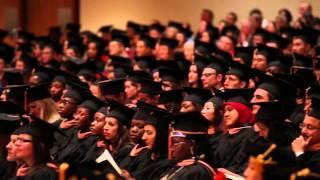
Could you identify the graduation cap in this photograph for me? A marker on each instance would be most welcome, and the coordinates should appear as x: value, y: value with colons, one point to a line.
x: 268, y: 52
x: 75, y: 94
x: 150, y: 87
x: 273, y: 112
x: 10, y: 115
x: 245, y: 53
x: 111, y: 86
x: 197, y: 95
x: 302, y: 62
x: 121, y: 112
x: 279, y: 40
x: 44, y: 74
x: 220, y: 66
x: 92, y: 104
x: 37, y: 93
x: 187, y: 32
x: 167, y: 64
x: 217, y: 101
x: 171, y: 43
x: 172, y: 75
x: 26, y: 36
x: 203, y: 48
x: 231, y: 30
x: 308, y: 35
x: 175, y: 24
x: 243, y: 72
x: 73, y: 27
x: 171, y: 96
x: 146, y: 62
x: 138, y: 76
x: 242, y: 96
x: 201, y: 62
x: 150, y: 113
x: 135, y: 26
x: 41, y: 131
x: 149, y: 41
x: 12, y: 77
x: 105, y: 29
x: 221, y: 55
x: 158, y: 27
x: 119, y: 61
x: 120, y: 36
x: 189, y: 123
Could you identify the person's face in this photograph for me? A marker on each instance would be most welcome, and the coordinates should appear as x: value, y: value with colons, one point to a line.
x: 95, y: 90
x: 299, y: 47
x: 110, y: 129
x: 259, y: 62
x: 115, y: 48
x: 163, y: 52
x: 92, y: 50
x: 66, y: 107
x: 154, y: 34
x: 171, y: 32
x: 188, y: 51
x: 167, y: 86
x: 82, y: 117
x: 209, y: 78
x: 180, y: 148
x: 36, y: 51
x: 47, y: 55
x: 136, y: 130
x: 233, y: 82
x: 34, y: 80
x: 261, y: 129
x: 70, y: 52
x: 97, y: 124
x: 130, y: 89
x: 142, y: 49
x: 19, y: 65
x: 205, y: 37
x: 12, y: 148
x: 208, y: 111
x: 259, y: 95
x: 149, y: 135
x: 225, y: 44
x: 230, y: 116
x: 56, y: 89
x: 146, y: 98
x: 193, y: 74
x: 206, y: 16
x: 187, y: 106
x: 304, y: 9
x: 257, y: 39
x: 253, y: 172
x: 34, y: 108
x: 311, y: 128
x: 230, y: 19
x: 24, y: 147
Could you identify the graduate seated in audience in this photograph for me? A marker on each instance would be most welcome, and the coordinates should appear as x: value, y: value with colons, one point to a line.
x: 194, y: 99
x: 229, y: 151
x: 188, y: 149
x: 32, y: 143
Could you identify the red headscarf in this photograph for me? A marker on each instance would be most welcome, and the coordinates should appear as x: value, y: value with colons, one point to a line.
x: 245, y: 113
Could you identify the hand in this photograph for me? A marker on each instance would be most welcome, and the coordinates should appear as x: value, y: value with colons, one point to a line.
x: 101, y: 143
x: 136, y: 150
x: 299, y: 144
x: 126, y: 175
x: 53, y: 166
x: 23, y: 170
x: 68, y: 124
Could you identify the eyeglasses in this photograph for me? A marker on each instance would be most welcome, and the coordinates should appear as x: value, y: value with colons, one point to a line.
x: 21, y: 140
x: 308, y: 126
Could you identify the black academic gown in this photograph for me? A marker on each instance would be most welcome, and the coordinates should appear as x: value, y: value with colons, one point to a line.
x: 7, y: 169
x: 39, y: 173
x: 230, y: 153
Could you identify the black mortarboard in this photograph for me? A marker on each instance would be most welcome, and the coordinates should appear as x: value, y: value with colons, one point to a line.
x: 221, y: 55
x: 9, y: 117
x: 219, y: 66
x: 12, y: 77
x: 217, y: 101
x: 308, y: 35
x: 268, y: 52
x: 157, y: 26
x: 176, y: 25
x: 73, y: 27
x: 105, y: 29
x: 245, y: 53
x: 137, y: 76
x: 171, y: 96
x: 302, y: 62
x: 26, y: 36
x: 190, y: 123
x: 150, y: 113
x: 167, y: 64
x: 197, y: 95
x: 120, y: 36
x: 40, y: 130
x: 121, y: 112
x: 3, y: 34
x: 203, y: 48
x: 37, y: 93
x: 146, y: 62
x: 149, y: 42
x: 92, y: 104
x: 173, y: 75
x: 242, y: 96
x: 243, y: 72
x: 272, y: 112
x: 279, y: 40
x: 231, y: 30
x: 44, y: 74
x: 111, y: 86
x: 119, y: 61
x: 171, y: 43
x: 187, y: 32
x: 150, y: 87
x: 201, y: 62
x: 135, y: 26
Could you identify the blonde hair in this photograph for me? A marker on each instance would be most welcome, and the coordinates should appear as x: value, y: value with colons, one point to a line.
x: 48, y: 110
